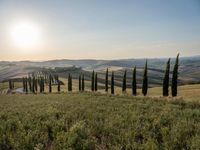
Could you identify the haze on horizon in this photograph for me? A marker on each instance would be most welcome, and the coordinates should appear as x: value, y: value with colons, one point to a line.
x: 94, y: 29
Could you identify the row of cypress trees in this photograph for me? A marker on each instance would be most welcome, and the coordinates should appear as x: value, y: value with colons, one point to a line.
x: 33, y: 82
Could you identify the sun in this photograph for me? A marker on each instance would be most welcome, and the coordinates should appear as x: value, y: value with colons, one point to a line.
x: 25, y: 35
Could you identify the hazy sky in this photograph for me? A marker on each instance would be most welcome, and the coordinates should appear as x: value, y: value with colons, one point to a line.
x: 102, y: 29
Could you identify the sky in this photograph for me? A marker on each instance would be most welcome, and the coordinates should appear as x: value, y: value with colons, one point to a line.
x: 99, y: 29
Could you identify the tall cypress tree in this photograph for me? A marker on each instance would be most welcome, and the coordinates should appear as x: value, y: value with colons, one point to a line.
x: 175, y: 77
x: 166, y: 79
x: 40, y: 83
x: 96, y: 82
x: 26, y: 85
x: 134, y: 83
x: 13, y: 84
x: 29, y: 82
x: 10, y: 84
x: 145, y: 81
x: 50, y: 88
x: 36, y: 85
x: 92, y: 81
x: 58, y: 82
x: 79, y: 83
x: 124, y: 82
x: 112, y: 83
x: 106, y: 81
x: 23, y: 82
x: 69, y: 83
x: 33, y: 85
x: 83, y: 83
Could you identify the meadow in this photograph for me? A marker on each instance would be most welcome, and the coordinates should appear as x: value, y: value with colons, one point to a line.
x: 98, y: 121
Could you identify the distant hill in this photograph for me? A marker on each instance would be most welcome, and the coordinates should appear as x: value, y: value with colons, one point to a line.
x: 189, y: 68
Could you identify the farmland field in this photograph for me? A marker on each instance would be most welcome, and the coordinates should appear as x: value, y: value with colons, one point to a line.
x: 98, y: 121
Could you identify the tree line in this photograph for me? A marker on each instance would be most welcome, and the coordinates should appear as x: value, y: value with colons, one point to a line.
x: 34, y: 81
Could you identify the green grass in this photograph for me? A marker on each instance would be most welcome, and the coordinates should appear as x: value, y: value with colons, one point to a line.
x: 97, y: 121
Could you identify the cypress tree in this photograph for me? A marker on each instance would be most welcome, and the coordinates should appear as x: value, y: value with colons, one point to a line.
x: 166, y: 79
x: 92, y: 81
x: 40, y: 83
x: 124, y: 82
x: 43, y: 84
x: 13, y: 84
x: 50, y: 80
x: 10, y: 84
x: 96, y: 82
x: 29, y: 82
x: 106, y: 81
x: 134, y: 83
x: 58, y: 81
x: 112, y: 83
x: 26, y: 85
x: 145, y: 81
x: 36, y: 84
x: 33, y: 85
x: 175, y: 77
x: 69, y: 83
x: 79, y: 83
x: 23, y: 82
x: 83, y: 83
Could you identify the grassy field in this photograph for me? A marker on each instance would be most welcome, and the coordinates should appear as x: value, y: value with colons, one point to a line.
x: 97, y: 121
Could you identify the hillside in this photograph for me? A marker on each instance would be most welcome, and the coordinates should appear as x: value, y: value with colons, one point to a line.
x: 188, y: 73
x: 96, y: 121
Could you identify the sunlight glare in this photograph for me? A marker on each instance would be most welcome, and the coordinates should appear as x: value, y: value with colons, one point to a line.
x: 25, y: 35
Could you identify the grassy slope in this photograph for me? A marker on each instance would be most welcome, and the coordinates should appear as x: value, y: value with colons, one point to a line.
x: 96, y: 121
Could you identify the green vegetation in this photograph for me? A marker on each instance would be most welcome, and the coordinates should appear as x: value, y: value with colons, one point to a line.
x: 97, y: 121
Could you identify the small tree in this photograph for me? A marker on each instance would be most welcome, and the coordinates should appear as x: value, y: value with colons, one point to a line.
x: 83, y: 83
x: 112, y: 83
x: 145, y: 81
x: 106, y: 81
x: 96, y: 82
x: 166, y: 79
x: 175, y: 77
x: 134, y: 83
x: 79, y: 83
x: 124, y: 82
x: 92, y: 81
x: 50, y: 88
